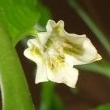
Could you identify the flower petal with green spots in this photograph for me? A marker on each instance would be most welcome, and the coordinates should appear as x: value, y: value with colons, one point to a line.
x: 56, y: 52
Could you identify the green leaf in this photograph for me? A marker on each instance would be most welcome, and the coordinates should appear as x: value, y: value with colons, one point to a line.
x: 14, y: 88
x: 103, y: 107
x: 21, y: 16
x: 101, y: 67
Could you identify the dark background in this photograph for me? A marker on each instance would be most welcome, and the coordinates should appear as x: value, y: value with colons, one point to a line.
x: 93, y: 88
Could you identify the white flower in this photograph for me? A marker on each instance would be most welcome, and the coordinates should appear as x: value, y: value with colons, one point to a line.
x: 56, y: 52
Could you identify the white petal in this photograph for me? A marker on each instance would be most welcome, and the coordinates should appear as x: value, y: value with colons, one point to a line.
x: 43, y: 37
x: 41, y: 74
x: 50, y: 25
x: 71, y: 60
x: 34, y: 51
x: 66, y: 75
x: 78, y: 39
x: 61, y: 23
x: 28, y: 54
x: 90, y: 55
x: 34, y: 42
x: 52, y: 52
x: 90, y: 52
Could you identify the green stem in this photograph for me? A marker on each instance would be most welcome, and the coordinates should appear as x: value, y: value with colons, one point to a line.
x: 90, y: 23
x: 49, y: 99
x: 47, y: 96
x: 102, y: 68
x: 15, y: 92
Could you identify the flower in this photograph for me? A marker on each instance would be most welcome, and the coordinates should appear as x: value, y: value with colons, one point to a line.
x: 56, y: 52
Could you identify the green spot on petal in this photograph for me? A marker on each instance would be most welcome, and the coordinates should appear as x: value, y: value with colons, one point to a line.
x: 73, y: 48
x: 35, y: 51
x: 49, y: 43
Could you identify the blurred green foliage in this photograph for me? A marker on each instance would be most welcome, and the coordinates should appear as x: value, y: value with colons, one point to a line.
x: 102, y: 107
x: 22, y: 15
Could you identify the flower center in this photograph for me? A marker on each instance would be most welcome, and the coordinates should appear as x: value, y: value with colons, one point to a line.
x: 55, y: 62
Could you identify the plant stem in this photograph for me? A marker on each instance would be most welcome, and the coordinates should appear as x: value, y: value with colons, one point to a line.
x: 98, y: 68
x: 47, y: 96
x: 15, y: 92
